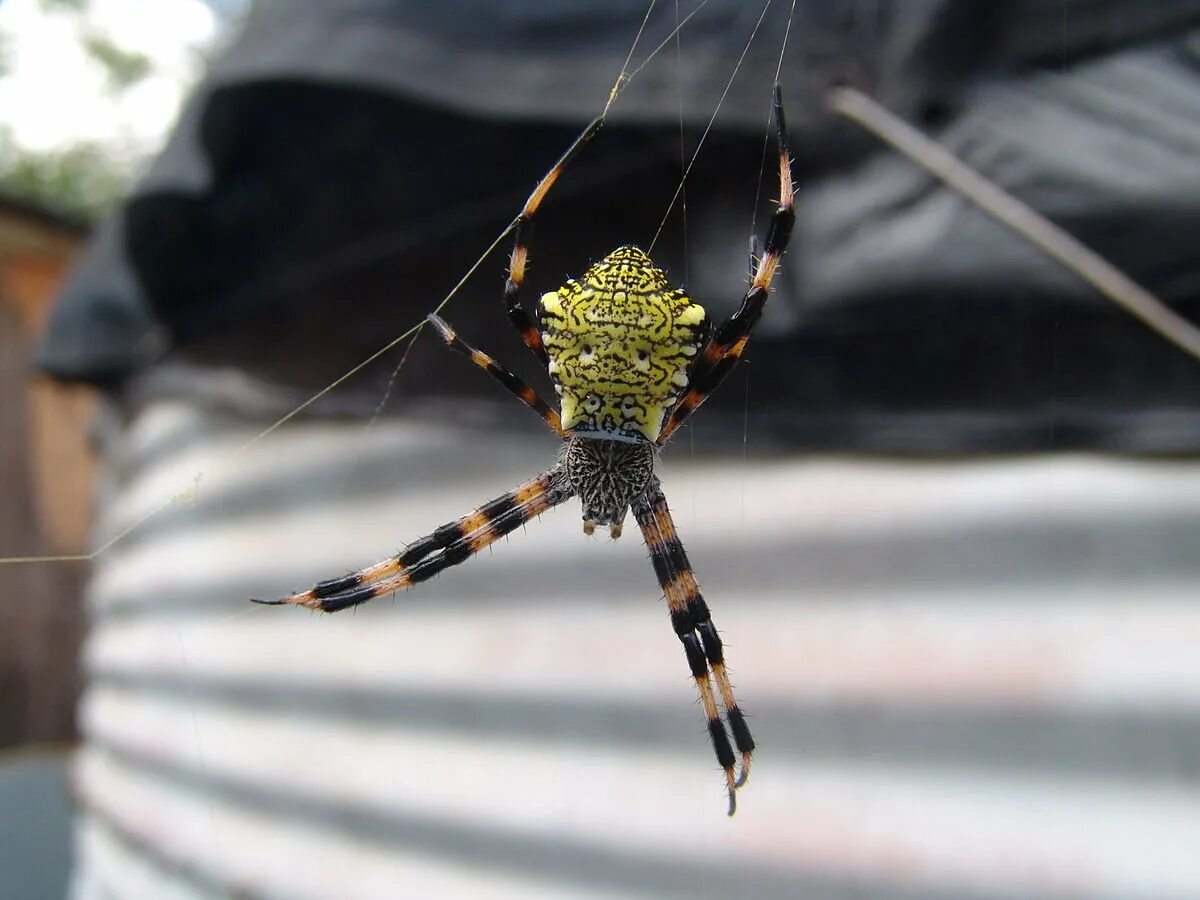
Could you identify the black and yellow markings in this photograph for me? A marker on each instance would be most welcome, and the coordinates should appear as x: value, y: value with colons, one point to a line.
x: 511, y: 382
x: 543, y: 187
x: 448, y: 546
x: 728, y: 342
x: 684, y: 584
x: 702, y: 646
x: 523, y: 228
x: 619, y: 343
x: 512, y: 296
x: 629, y: 361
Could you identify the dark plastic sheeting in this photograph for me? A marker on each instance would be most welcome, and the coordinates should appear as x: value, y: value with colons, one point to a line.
x: 344, y: 164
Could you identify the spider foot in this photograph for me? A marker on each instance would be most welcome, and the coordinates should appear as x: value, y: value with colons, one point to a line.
x: 589, y: 527
x: 305, y: 598
x: 732, y: 787
x: 745, y: 774
x: 614, y: 530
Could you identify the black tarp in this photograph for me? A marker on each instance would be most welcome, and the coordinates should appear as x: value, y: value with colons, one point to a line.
x: 344, y: 164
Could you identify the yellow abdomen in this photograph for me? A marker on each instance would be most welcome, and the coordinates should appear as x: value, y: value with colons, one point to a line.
x: 620, y: 343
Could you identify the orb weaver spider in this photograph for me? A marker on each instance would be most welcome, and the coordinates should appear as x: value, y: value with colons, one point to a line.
x: 631, y: 359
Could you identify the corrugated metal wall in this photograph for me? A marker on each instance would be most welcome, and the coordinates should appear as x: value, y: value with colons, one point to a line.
x: 973, y: 679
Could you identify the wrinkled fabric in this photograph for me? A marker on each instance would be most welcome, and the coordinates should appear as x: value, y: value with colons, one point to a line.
x: 344, y: 164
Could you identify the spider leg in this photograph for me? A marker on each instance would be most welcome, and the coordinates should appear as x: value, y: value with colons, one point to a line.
x: 448, y: 546
x: 511, y: 382
x: 728, y: 341
x: 520, y: 254
x: 690, y: 617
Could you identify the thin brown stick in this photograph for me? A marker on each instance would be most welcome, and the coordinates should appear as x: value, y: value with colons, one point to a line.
x: 1023, y: 219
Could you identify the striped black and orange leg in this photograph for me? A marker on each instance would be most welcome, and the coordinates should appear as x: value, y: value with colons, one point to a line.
x: 448, y: 546
x: 520, y: 255
x: 693, y: 625
x: 728, y: 341
x: 513, y: 383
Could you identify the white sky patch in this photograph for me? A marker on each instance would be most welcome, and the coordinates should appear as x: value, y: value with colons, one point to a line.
x: 55, y: 94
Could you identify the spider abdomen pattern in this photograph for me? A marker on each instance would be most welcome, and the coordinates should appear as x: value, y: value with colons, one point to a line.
x: 619, y: 343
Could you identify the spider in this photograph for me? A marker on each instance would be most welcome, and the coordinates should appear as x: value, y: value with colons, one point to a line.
x: 631, y: 359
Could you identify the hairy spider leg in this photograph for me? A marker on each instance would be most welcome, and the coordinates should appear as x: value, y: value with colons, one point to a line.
x: 689, y: 617
x: 448, y: 546
x: 513, y: 383
x: 521, y: 319
x: 728, y: 341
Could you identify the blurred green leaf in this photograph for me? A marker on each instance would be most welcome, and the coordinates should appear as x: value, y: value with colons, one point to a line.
x: 124, y: 67
x: 68, y: 5
x: 81, y: 180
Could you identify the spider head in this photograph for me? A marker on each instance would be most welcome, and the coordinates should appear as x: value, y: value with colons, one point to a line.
x: 620, y: 342
x: 608, y: 476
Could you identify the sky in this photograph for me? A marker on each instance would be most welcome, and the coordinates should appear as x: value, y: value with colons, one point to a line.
x: 54, y: 94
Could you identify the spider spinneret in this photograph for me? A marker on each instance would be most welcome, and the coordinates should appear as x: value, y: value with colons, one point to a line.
x: 631, y: 359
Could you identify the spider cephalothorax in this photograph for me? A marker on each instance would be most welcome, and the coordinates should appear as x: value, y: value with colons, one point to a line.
x: 608, y: 477
x: 631, y: 359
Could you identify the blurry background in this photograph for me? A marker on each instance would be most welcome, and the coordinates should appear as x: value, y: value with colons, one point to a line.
x: 944, y: 513
x: 88, y: 91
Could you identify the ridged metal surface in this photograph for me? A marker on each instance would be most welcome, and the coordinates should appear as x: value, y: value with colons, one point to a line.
x: 967, y: 680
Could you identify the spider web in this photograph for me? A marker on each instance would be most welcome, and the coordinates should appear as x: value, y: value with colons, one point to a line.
x: 846, y: 102
x: 186, y: 493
